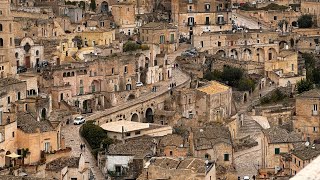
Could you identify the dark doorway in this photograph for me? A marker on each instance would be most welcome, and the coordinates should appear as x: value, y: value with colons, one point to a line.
x: 149, y: 116
x: 43, y: 113
x: 135, y: 117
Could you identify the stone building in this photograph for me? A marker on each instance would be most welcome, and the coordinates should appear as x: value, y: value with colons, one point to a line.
x: 67, y: 167
x: 302, y: 156
x: 124, y: 17
x: 196, y: 16
x: 277, y: 141
x: 160, y: 34
x: 283, y: 70
x: 28, y: 53
x: 179, y: 169
x: 252, y: 45
x: 174, y: 145
x: 311, y: 7
x: 212, y: 142
x: 213, y: 102
x: 11, y: 90
x: 7, y: 63
x: 127, y: 159
x: 306, y: 121
x: 120, y: 130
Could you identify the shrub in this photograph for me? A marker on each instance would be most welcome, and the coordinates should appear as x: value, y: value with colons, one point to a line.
x: 246, y: 84
x: 144, y: 47
x: 304, y: 85
x: 305, y: 21
x: 131, y: 46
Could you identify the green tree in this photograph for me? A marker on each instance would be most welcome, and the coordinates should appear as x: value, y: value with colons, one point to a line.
x: 232, y: 75
x: 246, y: 84
x: 305, y: 21
x: 304, y: 85
x: 93, y: 5
x: 131, y: 46
x: 93, y: 134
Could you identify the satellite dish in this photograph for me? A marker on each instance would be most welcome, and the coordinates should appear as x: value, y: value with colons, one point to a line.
x: 307, y: 143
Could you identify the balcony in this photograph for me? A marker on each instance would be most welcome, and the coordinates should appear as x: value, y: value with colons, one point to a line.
x: 221, y: 22
x: 314, y: 113
x: 191, y: 24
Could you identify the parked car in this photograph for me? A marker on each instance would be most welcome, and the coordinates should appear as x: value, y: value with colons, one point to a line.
x: 21, y: 69
x: 79, y: 120
x: 187, y: 54
x: 139, y: 84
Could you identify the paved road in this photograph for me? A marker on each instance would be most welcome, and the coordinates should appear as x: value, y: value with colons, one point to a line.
x: 72, y: 139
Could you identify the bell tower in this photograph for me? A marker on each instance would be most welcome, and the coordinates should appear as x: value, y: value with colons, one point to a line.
x: 8, y: 64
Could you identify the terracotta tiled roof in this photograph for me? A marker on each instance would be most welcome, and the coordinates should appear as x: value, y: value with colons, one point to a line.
x: 60, y: 163
x: 140, y: 147
x: 279, y: 135
x: 314, y: 93
x: 28, y: 123
x: 208, y: 136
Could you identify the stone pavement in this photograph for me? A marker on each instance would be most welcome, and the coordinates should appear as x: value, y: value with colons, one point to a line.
x: 72, y: 139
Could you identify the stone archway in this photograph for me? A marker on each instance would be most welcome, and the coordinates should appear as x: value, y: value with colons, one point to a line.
x: 272, y: 53
x: 149, y: 116
x: 104, y: 7
x: 260, y: 55
x: 234, y: 54
x: 131, y: 97
x: 247, y: 54
x: 221, y: 53
x: 135, y: 117
x: 282, y: 44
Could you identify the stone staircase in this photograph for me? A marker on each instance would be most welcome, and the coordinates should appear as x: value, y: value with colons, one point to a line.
x: 249, y: 128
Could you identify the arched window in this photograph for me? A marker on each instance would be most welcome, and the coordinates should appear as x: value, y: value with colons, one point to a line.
x: 37, y: 52
x: 0, y: 27
x: 16, y: 55
x: 1, y: 42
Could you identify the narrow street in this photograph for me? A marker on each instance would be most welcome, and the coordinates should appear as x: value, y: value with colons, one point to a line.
x: 72, y: 139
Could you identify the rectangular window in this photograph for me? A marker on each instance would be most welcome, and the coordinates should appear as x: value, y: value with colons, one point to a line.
x: 172, y: 38
x: 128, y: 134
x: 112, y: 71
x: 125, y: 69
x: 219, y: 43
x: 292, y: 67
x: 81, y: 90
x: 275, y: 18
x: 8, y: 99
x: 47, y: 146
x: 276, y: 150
x: 226, y: 157
x: 137, y: 133
x: 315, y: 129
x: 201, y: 42
x: 171, y: 153
x: 162, y: 39
x: 207, y: 7
x: 207, y: 21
